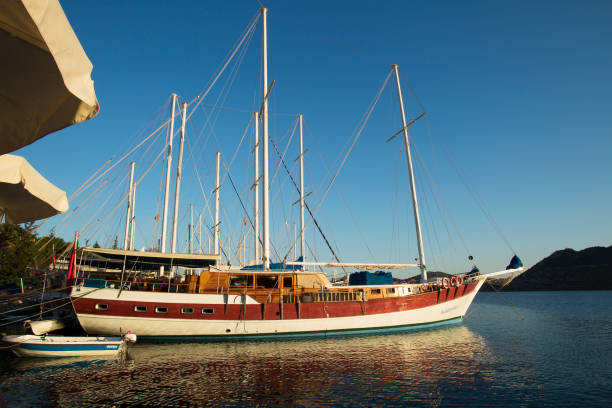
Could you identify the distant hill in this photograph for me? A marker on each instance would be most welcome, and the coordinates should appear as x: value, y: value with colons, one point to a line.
x: 566, y: 269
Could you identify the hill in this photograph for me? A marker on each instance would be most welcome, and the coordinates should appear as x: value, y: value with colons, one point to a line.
x: 567, y: 269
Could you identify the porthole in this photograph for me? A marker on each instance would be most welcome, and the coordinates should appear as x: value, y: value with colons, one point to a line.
x: 140, y: 309
x: 187, y: 310
x: 208, y: 310
x: 101, y: 306
x: 161, y: 309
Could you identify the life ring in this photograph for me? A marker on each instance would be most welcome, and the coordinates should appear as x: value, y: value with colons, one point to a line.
x: 453, y: 281
x: 459, y: 280
x: 445, y: 282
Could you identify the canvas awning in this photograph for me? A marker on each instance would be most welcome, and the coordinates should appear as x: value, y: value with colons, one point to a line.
x: 25, y: 195
x: 153, y: 260
x: 45, y: 76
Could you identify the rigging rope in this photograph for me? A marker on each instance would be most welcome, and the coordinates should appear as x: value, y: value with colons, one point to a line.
x: 282, y: 157
x: 371, y: 109
x: 440, y: 198
x: 307, y: 208
x: 247, y: 213
x: 200, y: 181
x: 202, y: 95
x: 471, y: 190
x: 346, y: 206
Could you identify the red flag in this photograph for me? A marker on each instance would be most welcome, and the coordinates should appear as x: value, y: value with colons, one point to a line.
x: 53, y: 248
x: 72, y: 267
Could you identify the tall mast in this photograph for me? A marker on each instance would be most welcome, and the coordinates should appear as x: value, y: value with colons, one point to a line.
x: 200, y: 233
x: 191, y: 229
x: 129, y: 209
x: 266, y: 203
x: 167, y: 190
x: 302, y: 240
x: 216, y: 228
x: 415, y: 204
x: 178, y: 177
x: 256, y: 188
x: 133, y: 218
x: 229, y: 250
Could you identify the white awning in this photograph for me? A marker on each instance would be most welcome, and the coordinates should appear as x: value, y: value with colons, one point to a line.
x: 25, y: 195
x: 45, y: 76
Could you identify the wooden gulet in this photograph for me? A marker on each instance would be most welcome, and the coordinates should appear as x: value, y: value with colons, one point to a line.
x: 266, y: 301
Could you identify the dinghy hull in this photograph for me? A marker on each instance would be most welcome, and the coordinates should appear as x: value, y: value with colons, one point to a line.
x: 61, y: 346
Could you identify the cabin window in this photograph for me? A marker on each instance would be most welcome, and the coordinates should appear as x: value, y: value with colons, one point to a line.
x: 141, y: 309
x: 101, y: 306
x: 208, y: 310
x: 287, y: 282
x: 268, y: 282
x: 390, y: 291
x: 375, y: 291
x: 241, y: 281
x: 161, y: 309
x: 187, y: 310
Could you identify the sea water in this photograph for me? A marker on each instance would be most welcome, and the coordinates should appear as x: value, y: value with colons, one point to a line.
x: 512, y: 349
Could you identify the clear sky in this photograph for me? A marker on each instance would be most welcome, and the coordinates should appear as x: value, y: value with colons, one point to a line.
x: 518, y: 94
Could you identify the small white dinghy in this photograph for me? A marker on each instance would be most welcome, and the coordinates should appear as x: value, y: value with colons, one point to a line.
x: 66, y: 346
x: 39, y: 327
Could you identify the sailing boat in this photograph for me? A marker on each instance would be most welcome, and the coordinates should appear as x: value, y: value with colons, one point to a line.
x: 269, y: 300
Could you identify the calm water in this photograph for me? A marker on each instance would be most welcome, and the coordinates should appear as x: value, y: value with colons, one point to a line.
x: 547, y: 349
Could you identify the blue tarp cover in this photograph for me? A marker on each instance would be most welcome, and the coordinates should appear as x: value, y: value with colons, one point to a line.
x: 369, y: 278
x: 515, y: 262
x: 275, y: 266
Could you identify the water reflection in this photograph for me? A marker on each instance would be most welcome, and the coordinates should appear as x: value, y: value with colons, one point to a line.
x: 418, y: 367
x: 552, y: 349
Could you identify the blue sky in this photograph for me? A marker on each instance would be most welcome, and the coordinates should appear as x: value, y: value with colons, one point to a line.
x: 518, y: 93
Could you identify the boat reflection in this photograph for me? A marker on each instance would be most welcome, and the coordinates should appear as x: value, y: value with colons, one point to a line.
x: 398, y: 368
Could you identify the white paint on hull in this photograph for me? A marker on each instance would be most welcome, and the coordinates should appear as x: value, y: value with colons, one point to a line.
x: 113, y: 325
x: 21, y: 352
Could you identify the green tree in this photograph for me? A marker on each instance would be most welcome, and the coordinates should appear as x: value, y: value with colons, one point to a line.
x: 17, y: 250
x: 44, y: 250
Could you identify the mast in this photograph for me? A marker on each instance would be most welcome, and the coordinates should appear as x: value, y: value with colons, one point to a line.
x: 266, y: 203
x: 415, y: 204
x: 133, y: 217
x: 216, y: 228
x: 191, y: 229
x: 178, y: 177
x: 256, y: 188
x: 200, y: 233
x: 129, y: 209
x: 302, y: 239
x: 167, y: 190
